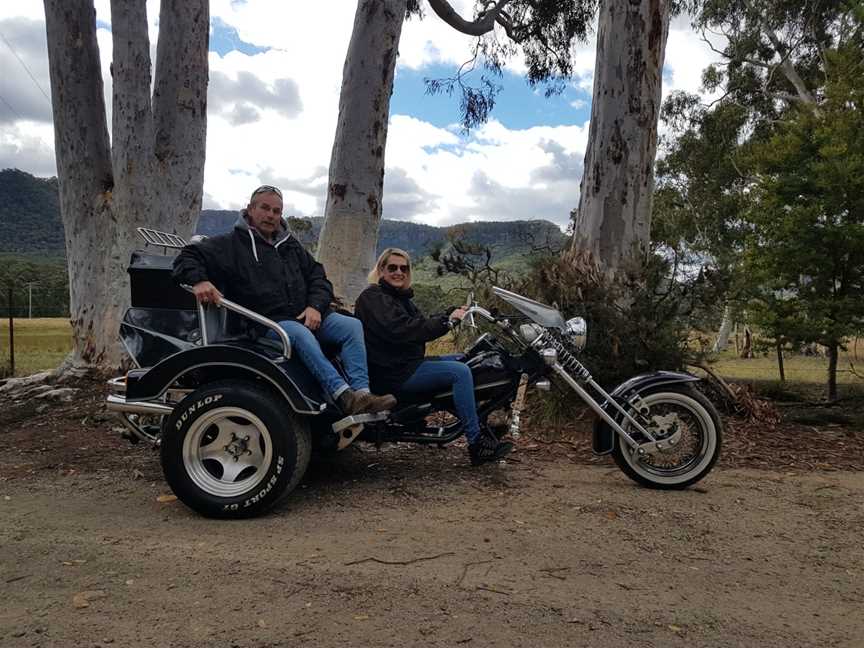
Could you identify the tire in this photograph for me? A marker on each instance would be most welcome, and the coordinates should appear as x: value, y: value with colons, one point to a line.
x: 233, y: 449
x: 692, y: 457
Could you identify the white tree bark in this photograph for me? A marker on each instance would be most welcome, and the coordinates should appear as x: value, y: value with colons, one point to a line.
x: 180, y: 112
x: 105, y: 193
x: 352, y: 216
x: 613, y: 219
x: 726, y: 326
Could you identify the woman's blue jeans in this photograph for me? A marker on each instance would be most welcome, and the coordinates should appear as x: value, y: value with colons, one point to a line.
x: 435, y: 374
x: 336, y: 330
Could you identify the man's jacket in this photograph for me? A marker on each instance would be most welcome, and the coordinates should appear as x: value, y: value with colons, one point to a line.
x: 278, y: 280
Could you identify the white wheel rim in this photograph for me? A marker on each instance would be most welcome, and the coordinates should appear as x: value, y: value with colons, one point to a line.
x: 227, y: 452
x: 702, y: 455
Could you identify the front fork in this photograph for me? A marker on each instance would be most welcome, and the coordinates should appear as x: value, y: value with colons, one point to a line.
x: 649, y: 447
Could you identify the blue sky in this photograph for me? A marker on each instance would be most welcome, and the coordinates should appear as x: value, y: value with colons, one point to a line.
x: 517, y: 104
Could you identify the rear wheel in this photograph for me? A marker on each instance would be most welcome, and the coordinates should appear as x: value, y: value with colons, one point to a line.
x: 233, y: 449
x: 693, y: 431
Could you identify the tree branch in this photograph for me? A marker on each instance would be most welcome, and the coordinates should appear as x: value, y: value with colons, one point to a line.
x: 483, y: 25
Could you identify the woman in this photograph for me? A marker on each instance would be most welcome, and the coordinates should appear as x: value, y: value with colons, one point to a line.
x: 396, y: 333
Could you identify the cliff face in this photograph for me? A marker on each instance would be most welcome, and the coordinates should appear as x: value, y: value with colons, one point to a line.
x: 418, y: 240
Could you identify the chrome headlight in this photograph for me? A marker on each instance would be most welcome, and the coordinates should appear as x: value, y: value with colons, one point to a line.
x: 530, y: 332
x: 576, y: 331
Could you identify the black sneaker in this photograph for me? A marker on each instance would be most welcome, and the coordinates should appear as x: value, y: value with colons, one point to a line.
x: 488, y: 448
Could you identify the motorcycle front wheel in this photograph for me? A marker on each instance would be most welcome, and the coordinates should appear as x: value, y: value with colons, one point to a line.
x: 684, y: 416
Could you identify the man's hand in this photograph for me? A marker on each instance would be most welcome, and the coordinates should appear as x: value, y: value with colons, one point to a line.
x: 206, y: 292
x: 310, y: 318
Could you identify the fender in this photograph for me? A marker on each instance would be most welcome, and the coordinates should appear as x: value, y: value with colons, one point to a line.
x: 604, y: 438
x: 290, y: 378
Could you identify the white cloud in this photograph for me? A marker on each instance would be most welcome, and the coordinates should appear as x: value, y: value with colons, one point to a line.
x: 28, y: 146
x: 272, y: 116
x: 686, y: 57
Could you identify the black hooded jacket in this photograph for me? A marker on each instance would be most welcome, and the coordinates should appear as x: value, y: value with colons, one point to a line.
x: 278, y: 280
x: 396, y: 333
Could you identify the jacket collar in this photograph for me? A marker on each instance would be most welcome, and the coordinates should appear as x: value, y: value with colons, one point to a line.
x: 281, y: 236
x: 242, y: 225
x: 403, y: 293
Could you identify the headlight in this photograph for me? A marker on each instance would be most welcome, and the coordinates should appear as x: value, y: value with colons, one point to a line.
x: 530, y: 332
x: 576, y: 331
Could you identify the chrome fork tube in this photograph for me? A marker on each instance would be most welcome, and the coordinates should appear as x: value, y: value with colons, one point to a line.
x: 602, y: 413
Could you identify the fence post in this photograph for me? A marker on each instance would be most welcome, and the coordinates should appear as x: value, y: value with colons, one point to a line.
x: 11, y: 337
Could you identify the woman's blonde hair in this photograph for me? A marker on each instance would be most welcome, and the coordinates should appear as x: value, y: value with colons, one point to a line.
x: 377, y: 271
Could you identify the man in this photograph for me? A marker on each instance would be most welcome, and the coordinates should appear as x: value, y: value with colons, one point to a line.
x: 261, y: 266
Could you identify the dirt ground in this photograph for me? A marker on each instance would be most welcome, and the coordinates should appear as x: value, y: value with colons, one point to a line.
x: 411, y: 547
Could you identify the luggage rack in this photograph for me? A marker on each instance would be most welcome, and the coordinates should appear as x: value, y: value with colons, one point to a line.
x: 161, y: 239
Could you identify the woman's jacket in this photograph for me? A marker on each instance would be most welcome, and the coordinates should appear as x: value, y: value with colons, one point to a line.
x: 396, y: 333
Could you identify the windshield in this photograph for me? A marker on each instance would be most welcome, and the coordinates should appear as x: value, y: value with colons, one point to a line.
x: 541, y: 313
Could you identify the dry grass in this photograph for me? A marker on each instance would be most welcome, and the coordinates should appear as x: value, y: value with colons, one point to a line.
x: 40, y: 344
x: 798, y: 368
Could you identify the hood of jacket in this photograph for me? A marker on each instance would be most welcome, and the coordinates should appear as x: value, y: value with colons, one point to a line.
x: 243, y: 225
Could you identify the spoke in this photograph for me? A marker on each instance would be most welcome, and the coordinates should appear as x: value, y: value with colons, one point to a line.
x: 239, y: 430
x: 234, y: 468
x: 216, y: 452
x: 256, y: 454
x: 223, y: 438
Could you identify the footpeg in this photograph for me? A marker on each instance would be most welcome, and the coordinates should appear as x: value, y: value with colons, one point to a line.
x: 350, y: 427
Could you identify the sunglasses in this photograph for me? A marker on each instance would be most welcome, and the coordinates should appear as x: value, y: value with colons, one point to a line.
x: 404, y: 269
x: 266, y: 189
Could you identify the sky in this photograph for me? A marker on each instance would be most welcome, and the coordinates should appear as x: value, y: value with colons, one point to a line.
x: 275, y: 76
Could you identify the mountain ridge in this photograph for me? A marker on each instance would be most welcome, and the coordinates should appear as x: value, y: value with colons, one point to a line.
x: 30, y: 224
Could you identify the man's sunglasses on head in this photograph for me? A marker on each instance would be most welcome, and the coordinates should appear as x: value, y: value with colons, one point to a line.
x: 267, y: 189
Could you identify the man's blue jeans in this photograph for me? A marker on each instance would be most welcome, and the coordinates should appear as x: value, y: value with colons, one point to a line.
x: 435, y: 374
x: 336, y: 330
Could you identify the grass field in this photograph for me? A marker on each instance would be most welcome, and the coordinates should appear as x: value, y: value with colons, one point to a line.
x: 43, y: 343
x: 40, y: 344
x: 798, y: 369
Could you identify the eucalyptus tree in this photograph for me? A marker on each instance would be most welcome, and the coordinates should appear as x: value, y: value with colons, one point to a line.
x: 545, y: 29
x: 150, y: 172
x: 612, y: 223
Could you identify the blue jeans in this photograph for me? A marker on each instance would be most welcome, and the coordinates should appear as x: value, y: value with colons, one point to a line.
x: 440, y: 373
x: 335, y: 330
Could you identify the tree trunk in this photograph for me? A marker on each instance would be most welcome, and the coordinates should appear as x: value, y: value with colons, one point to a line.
x: 84, y: 171
x: 726, y: 325
x: 747, y: 347
x: 157, y: 173
x: 352, y: 216
x: 613, y: 220
x: 180, y: 113
x: 780, y: 362
x: 131, y: 128
x: 833, y: 354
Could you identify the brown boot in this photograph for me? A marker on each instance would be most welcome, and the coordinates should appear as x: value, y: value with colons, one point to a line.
x: 363, y: 402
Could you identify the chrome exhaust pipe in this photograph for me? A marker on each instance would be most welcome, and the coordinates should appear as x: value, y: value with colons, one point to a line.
x: 117, y: 403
